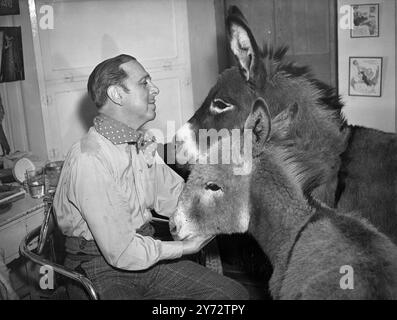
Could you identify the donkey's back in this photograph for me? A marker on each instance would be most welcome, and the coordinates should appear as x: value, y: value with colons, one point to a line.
x: 339, y: 256
x: 368, y: 178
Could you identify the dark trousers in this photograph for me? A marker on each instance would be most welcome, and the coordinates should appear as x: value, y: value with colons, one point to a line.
x: 174, y: 279
x: 179, y: 279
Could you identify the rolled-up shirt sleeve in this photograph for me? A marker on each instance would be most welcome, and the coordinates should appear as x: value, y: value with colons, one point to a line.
x: 169, y: 188
x: 109, y: 218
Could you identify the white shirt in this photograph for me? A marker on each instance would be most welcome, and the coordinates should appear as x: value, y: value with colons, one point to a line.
x: 105, y: 192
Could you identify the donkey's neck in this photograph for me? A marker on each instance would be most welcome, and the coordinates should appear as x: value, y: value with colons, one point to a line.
x: 278, y: 207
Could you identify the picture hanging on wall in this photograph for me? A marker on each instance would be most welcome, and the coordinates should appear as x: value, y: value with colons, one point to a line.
x: 365, y: 76
x: 9, y: 7
x: 365, y: 21
x: 11, y: 56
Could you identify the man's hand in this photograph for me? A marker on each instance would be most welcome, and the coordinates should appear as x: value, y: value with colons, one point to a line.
x: 195, y: 244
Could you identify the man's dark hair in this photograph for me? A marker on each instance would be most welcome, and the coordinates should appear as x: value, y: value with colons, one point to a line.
x: 106, y: 74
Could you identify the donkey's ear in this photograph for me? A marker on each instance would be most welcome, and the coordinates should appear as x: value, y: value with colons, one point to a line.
x: 283, y: 121
x: 259, y: 121
x: 243, y: 45
x: 235, y: 11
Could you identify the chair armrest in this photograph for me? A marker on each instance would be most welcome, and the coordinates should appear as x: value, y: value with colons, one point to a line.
x: 24, y: 250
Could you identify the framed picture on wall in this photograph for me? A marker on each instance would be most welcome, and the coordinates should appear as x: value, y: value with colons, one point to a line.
x: 365, y: 76
x: 11, y: 56
x: 365, y: 21
x: 9, y: 7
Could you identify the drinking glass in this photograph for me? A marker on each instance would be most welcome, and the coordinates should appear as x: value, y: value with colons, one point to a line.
x: 53, y: 172
x: 35, y: 181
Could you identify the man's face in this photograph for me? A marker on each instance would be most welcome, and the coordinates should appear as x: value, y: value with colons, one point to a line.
x: 139, y: 102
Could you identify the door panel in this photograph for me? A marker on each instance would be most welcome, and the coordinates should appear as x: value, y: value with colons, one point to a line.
x: 82, y: 35
x: 307, y: 27
x: 70, y: 112
x: 303, y: 25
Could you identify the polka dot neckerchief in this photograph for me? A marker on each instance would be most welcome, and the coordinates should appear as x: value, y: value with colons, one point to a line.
x: 119, y: 133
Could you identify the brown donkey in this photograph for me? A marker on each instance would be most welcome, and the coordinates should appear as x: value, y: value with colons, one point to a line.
x: 351, y: 168
x: 316, y: 253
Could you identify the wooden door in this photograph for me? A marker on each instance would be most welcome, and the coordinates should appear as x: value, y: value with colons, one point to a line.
x: 307, y: 27
x: 88, y: 31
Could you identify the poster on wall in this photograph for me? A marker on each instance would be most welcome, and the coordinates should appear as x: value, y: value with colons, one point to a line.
x: 365, y: 76
x: 365, y: 21
x: 11, y: 56
x: 8, y: 7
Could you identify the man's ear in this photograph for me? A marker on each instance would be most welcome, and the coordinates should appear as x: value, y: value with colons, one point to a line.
x: 283, y: 121
x: 259, y: 121
x: 244, y: 47
x: 114, y: 94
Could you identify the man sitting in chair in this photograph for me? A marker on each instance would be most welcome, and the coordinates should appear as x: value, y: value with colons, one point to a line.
x: 111, y: 179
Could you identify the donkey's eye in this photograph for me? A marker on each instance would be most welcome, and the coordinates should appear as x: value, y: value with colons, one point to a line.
x: 219, y: 106
x: 212, y: 186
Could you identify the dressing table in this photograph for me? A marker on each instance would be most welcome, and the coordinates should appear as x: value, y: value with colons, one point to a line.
x: 24, y: 215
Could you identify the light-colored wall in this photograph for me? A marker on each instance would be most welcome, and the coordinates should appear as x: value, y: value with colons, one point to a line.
x: 203, y: 47
x: 374, y: 112
x: 25, y: 127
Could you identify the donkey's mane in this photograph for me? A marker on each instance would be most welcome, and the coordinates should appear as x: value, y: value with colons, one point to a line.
x: 274, y: 60
x: 310, y: 150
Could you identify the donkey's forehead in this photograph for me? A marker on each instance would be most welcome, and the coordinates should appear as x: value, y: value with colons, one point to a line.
x: 231, y: 83
x: 234, y: 92
x: 232, y: 88
x: 232, y: 74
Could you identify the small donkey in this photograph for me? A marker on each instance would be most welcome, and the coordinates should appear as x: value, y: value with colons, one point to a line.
x: 316, y: 253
